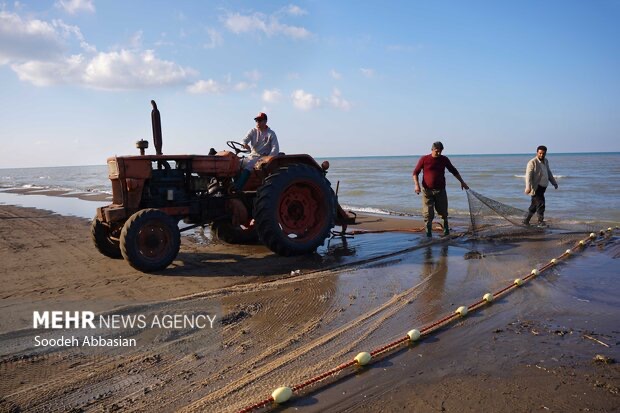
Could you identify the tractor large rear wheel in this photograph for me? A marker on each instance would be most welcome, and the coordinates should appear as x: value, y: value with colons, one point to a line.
x: 294, y: 210
x: 102, y: 236
x: 150, y: 240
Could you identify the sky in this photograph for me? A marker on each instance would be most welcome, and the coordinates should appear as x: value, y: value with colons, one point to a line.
x: 336, y: 78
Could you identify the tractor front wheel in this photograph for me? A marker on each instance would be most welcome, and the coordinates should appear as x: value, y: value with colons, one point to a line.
x: 102, y: 236
x: 294, y: 210
x: 150, y: 240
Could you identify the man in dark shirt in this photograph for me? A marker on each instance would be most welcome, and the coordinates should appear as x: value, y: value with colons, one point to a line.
x: 433, y: 190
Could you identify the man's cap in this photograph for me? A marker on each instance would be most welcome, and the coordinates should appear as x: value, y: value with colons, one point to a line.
x: 261, y: 115
x: 437, y: 145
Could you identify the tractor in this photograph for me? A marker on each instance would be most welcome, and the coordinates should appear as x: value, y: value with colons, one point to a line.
x: 287, y: 204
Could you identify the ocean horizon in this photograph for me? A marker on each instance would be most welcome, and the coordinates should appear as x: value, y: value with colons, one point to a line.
x: 322, y: 157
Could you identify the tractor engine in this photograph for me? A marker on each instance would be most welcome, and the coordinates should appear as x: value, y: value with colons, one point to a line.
x: 165, y: 186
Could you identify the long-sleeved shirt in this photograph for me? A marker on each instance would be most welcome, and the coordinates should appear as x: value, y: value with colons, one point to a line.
x: 537, y: 174
x: 434, y: 176
x: 262, y: 142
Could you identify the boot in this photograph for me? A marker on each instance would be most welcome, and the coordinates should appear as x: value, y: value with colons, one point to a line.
x: 446, y: 228
x: 429, y: 229
x: 241, y: 180
x: 526, y: 220
x: 541, y: 221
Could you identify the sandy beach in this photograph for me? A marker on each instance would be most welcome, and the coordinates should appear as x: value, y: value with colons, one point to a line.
x: 551, y: 345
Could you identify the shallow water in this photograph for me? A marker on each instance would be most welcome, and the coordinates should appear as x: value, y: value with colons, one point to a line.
x: 63, y: 205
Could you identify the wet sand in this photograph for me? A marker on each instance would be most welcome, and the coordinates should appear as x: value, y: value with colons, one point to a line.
x: 529, y: 351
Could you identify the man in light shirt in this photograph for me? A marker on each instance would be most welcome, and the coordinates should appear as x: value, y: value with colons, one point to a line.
x: 537, y: 177
x: 261, y: 141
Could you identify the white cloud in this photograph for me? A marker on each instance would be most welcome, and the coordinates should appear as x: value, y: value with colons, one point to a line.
x: 338, y: 101
x: 241, y: 86
x: 293, y: 76
x: 237, y: 23
x: 32, y: 39
x: 75, y: 6
x: 335, y: 75
x: 131, y: 70
x: 68, y: 31
x: 367, y: 72
x: 292, y: 31
x: 305, y: 101
x: 163, y: 40
x: 46, y: 73
x: 215, y: 39
x: 295, y: 10
x: 205, y: 86
x: 213, y: 86
x: 253, y: 75
x: 258, y: 22
x: 120, y: 70
x: 272, y: 96
x: 27, y: 39
x: 136, y: 40
x: 38, y: 52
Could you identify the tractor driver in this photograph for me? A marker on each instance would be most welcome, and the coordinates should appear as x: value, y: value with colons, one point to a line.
x: 261, y: 141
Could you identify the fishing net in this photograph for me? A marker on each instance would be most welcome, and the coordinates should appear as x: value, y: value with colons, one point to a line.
x: 491, y: 218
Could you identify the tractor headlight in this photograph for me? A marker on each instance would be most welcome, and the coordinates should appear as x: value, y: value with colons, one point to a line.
x: 112, y: 168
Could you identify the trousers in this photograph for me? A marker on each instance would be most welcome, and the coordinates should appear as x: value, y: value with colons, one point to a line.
x: 434, y: 200
x: 537, y: 206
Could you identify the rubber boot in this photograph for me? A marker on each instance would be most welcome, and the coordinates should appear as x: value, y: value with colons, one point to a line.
x: 446, y: 228
x: 541, y: 222
x: 526, y: 220
x: 429, y: 229
x: 241, y: 180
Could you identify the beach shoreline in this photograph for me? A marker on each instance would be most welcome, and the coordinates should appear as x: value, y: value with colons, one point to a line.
x: 510, y: 358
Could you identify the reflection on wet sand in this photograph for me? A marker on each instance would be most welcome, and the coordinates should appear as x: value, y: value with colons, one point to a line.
x: 435, y: 267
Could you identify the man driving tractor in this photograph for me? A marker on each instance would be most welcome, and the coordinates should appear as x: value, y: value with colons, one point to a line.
x: 261, y: 141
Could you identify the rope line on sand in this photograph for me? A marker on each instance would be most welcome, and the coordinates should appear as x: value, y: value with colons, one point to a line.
x: 438, y: 227
x: 284, y: 393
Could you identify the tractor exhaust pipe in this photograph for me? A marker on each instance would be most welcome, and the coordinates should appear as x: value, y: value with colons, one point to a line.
x: 156, y: 122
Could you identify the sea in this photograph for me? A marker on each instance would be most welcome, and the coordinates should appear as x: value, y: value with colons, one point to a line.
x: 589, y: 184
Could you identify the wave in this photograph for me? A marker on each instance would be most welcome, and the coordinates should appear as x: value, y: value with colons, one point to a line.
x: 68, y: 190
x: 384, y: 211
x: 377, y: 211
x: 555, y: 176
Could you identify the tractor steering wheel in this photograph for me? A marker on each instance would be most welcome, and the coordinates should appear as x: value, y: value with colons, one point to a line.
x: 237, y: 147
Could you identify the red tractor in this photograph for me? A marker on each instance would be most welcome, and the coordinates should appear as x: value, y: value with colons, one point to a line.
x: 287, y: 204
